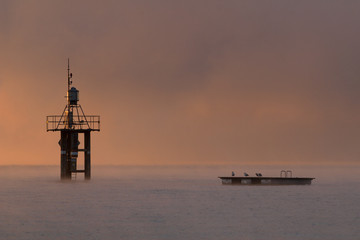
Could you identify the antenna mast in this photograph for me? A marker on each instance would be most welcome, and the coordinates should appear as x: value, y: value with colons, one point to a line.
x: 69, y: 75
x: 69, y: 108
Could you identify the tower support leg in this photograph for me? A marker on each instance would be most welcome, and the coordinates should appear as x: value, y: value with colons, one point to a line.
x: 64, y: 164
x: 87, y: 155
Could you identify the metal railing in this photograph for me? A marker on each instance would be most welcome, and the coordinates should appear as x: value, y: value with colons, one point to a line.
x: 286, y: 174
x: 78, y: 122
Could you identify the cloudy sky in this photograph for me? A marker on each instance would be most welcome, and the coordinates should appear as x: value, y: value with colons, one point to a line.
x: 184, y: 82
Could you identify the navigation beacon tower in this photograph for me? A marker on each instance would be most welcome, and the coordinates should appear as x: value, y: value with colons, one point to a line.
x: 71, y: 123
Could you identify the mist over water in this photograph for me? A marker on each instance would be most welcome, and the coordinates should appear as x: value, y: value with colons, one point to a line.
x: 186, y: 202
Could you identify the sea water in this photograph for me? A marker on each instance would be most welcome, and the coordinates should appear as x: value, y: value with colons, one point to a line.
x: 176, y: 203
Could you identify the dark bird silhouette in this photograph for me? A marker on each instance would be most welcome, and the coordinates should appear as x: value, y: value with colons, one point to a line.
x: 245, y: 174
x: 232, y: 174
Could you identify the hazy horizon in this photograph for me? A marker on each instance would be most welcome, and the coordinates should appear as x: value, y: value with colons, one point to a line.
x: 204, y: 165
x: 175, y: 203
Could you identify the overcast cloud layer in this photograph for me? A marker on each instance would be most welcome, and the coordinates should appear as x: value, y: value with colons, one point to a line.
x: 185, y: 82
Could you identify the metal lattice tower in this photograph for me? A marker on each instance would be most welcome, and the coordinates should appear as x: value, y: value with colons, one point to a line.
x: 71, y: 123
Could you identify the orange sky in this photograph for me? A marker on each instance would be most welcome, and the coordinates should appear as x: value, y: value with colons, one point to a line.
x: 184, y: 82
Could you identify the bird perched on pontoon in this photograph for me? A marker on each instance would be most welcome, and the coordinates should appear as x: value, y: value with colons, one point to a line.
x: 245, y: 174
x: 232, y: 173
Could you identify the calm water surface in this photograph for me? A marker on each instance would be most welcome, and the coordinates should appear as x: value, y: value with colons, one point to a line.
x: 175, y: 203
